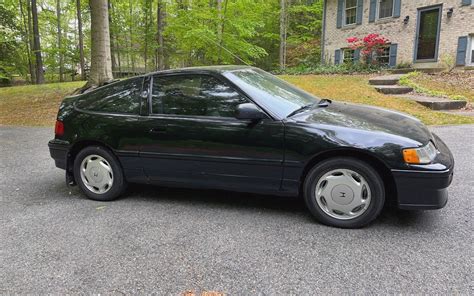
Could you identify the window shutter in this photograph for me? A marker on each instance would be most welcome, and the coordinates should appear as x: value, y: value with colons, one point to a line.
x: 337, y: 57
x: 466, y: 2
x: 392, y: 59
x: 356, y: 55
x: 461, y: 52
x: 360, y: 11
x: 340, y: 6
x: 397, y: 7
x: 372, y: 10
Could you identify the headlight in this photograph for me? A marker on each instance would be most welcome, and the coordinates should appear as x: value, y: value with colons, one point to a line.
x: 422, y: 155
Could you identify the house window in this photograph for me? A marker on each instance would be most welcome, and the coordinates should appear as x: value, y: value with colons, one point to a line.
x: 383, y: 56
x: 350, y: 12
x: 385, y: 8
x: 348, y: 55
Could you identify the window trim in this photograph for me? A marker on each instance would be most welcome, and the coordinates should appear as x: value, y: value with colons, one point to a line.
x: 377, y: 11
x: 344, y: 10
x: 220, y: 78
x: 343, y: 50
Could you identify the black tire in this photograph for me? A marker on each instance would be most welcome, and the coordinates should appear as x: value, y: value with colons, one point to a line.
x: 372, y: 178
x: 119, y: 183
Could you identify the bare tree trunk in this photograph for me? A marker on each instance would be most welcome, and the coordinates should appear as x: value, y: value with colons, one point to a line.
x: 221, y: 26
x: 26, y: 40
x: 81, y: 40
x: 30, y: 40
x: 36, y: 44
x: 146, y: 35
x: 101, y: 62
x: 112, y: 33
x: 132, y: 53
x: 283, y: 29
x: 161, y: 15
x: 61, y: 61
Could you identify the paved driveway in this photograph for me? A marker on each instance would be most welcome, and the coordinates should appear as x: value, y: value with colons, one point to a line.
x: 174, y: 240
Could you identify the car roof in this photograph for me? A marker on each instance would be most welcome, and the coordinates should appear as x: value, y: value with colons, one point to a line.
x: 216, y: 69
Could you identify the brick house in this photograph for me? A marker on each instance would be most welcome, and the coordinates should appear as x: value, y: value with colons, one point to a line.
x: 423, y: 33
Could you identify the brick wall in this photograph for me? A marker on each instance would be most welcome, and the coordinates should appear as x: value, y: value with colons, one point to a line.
x: 460, y: 24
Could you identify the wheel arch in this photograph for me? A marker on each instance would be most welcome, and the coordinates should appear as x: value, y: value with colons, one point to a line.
x: 78, y: 146
x: 379, y: 165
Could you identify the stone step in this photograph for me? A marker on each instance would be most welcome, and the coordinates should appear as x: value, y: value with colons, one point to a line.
x: 393, y: 89
x: 385, y: 80
x: 436, y: 103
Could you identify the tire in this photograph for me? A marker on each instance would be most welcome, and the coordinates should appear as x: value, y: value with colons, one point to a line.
x: 102, y: 178
x: 346, y: 182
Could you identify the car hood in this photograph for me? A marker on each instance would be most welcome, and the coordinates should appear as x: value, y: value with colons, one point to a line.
x: 367, y: 118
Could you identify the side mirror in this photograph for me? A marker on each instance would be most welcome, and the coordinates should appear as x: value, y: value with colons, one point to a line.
x: 249, y: 111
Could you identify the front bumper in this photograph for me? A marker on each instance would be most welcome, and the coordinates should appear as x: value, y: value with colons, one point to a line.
x: 59, y: 151
x: 426, y: 187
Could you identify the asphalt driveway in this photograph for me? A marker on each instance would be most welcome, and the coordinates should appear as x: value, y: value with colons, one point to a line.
x: 167, y: 241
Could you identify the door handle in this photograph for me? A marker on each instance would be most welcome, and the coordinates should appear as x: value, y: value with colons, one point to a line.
x: 158, y: 130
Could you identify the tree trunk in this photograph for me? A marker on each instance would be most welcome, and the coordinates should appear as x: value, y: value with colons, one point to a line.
x: 283, y: 25
x: 113, y: 48
x: 61, y: 62
x: 132, y: 52
x: 26, y: 40
x: 81, y: 40
x: 220, y: 33
x: 36, y: 44
x: 161, y: 15
x: 146, y: 35
x: 101, y: 62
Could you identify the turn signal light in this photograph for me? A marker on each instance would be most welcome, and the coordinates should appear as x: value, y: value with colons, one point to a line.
x: 59, y: 128
x: 411, y: 156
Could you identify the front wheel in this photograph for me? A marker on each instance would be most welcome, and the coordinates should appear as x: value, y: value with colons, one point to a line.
x: 344, y: 192
x: 98, y: 173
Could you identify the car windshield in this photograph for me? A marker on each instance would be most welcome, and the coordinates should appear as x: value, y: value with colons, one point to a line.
x: 271, y: 92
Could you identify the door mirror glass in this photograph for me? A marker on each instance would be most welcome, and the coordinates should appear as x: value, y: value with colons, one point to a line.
x: 249, y: 111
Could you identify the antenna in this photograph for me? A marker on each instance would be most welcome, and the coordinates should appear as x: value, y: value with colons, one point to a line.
x: 230, y: 52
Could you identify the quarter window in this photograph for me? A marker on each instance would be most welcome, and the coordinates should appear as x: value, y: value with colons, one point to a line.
x: 120, y: 97
x: 194, y: 95
x: 350, y: 12
x: 383, y: 56
x: 385, y: 8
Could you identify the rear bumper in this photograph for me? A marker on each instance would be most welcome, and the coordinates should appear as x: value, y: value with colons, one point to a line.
x: 59, y: 151
x: 422, y: 190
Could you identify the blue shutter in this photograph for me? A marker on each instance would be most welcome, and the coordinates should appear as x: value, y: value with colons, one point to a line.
x: 466, y: 2
x: 337, y: 57
x: 360, y: 11
x: 461, y: 52
x: 340, y: 6
x: 397, y: 7
x: 372, y: 10
x: 356, y: 55
x: 392, y: 59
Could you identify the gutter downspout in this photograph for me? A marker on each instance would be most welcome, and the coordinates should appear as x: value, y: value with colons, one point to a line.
x: 323, y: 33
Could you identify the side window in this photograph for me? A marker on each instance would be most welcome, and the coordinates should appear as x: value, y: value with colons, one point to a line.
x: 121, y: 97
x: 194, y: 95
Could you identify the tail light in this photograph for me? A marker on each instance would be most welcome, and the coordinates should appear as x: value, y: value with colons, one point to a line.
x: 59, y: 128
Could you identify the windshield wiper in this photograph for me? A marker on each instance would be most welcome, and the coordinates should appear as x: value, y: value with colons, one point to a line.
x: 301, y: 109
x: 321, y: 104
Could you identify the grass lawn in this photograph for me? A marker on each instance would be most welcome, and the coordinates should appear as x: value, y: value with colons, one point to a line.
x: 38, y: 105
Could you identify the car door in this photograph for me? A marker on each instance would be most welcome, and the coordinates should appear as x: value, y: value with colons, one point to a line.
x: 193, y: 137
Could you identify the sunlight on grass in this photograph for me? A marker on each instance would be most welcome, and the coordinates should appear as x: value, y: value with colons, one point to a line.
x: 33, y: 104
x: 355, y: 89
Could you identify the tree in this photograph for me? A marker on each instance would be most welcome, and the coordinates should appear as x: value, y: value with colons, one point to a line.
x: 101, y: 61
x: 81, y: 40
x: 60, y: 52
x: 36, y: 44
x: 160, y: 21
x: 283, y: 32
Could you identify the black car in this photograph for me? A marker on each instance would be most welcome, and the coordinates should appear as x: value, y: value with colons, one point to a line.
x: 242, y: 129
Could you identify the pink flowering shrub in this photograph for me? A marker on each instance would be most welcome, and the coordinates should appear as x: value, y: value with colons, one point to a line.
x: 370, y: 45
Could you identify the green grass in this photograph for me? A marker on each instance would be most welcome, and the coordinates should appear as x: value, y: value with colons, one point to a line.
x: 38, y: 105
x: 34, y: 105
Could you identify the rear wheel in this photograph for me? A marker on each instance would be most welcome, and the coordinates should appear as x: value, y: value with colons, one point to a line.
x: 344, y: 192
x: 98, y: 173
